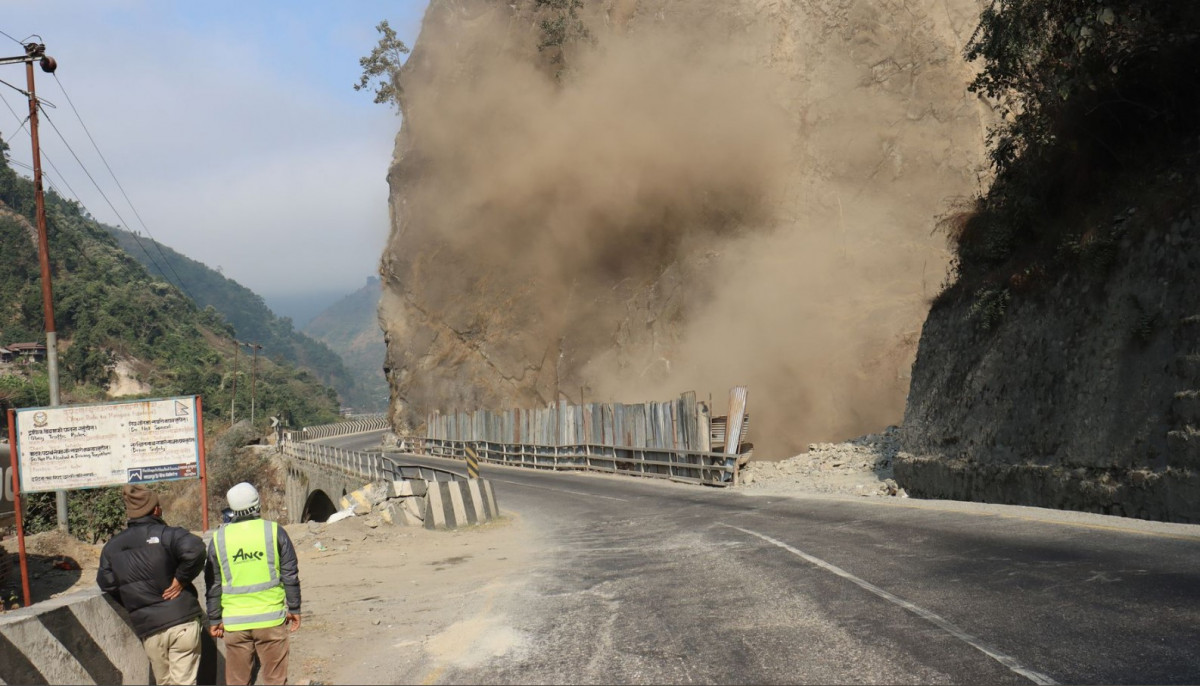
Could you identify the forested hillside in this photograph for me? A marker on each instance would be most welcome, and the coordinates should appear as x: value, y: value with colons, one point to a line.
x: 351, y: 327
x: 111, y: 312
x: 252, y: 320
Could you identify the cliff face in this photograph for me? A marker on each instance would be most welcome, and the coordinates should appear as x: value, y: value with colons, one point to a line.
x: 684, y: 194
x: 1082, y: 394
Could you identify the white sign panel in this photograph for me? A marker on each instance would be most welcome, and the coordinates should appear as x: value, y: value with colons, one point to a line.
x: 86, y: 446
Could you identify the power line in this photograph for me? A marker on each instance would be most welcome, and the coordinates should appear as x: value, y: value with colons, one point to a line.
x: 12, y: 39
x: 46, y: 157
x: 62, y: 178
x: 118, y: 182
x: 110, y: 204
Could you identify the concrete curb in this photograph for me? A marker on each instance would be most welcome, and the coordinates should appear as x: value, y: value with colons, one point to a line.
x: 454, y: 504
x: 84, y: 638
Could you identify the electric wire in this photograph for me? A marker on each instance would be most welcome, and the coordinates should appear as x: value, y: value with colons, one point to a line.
x: 5, y: 34
x: 104, y: 195
x: 62, y: 177
x: 46, y: 157
x: 73, y: 195
x: 117, y: 181
x: 23, y: 122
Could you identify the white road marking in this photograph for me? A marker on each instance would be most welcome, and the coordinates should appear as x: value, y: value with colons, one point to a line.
x: 560, y: 490
x: 1006, y: 660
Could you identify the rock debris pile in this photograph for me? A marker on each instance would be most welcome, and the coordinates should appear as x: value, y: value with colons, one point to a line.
x: 862, y: 466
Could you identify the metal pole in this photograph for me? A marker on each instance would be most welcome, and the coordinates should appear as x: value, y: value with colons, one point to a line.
x: 253, y: 384
x: 18, y: 507
x: 203, y: 463
x: 39, y: 200
x: 237, y: 347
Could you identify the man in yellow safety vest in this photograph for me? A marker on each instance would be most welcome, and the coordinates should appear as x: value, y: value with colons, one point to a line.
x: 253, y: 590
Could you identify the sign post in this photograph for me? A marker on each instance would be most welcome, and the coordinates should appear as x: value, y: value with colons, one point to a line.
x: 107, y: 444
x: 203, y: 464
x: 16, y: 485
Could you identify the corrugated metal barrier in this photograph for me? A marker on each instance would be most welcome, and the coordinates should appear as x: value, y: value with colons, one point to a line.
x: 672, y: 439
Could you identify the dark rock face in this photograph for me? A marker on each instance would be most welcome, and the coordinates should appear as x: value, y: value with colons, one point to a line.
x: 1082, y: 397
x: 704, y: 193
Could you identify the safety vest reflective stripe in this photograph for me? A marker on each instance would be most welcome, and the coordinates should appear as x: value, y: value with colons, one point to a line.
x: 272, y: 568
x: 247, y: 619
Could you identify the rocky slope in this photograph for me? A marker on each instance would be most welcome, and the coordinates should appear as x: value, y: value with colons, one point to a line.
x: 1081, y: 393
x: 675, y: 194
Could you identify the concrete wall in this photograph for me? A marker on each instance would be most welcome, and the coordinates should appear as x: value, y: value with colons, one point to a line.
x: 453, y: 504
x: 83, y: 638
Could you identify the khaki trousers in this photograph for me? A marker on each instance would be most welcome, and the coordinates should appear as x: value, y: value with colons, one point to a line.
x: 271, y: 646
x: 175, y: 653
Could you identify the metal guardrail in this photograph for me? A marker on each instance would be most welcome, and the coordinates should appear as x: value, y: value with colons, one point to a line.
x: 373, y: 422
x: 372, y: 466
x: 690, y: 466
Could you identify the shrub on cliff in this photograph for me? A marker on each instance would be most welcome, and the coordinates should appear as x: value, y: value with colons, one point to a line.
x: 1086, y: 89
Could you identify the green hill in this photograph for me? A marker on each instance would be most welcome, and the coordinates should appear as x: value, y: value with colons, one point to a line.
x: 121, y: 326
x: 351, y: 327
x: 245, y: 310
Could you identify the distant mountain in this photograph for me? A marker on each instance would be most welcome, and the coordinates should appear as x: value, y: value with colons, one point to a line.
x: 252, y: 320
x: 351, y: 327
x: 124, y: 331
x: 302, y: 307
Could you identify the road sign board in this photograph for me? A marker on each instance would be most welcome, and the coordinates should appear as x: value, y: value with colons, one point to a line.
x: 108, y: 444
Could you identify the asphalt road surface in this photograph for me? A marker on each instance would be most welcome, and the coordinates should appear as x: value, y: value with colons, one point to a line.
x: 653, y: 582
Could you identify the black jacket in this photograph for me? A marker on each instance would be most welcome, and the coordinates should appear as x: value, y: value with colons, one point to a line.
x: 289, y: 575
x: 137, y: 565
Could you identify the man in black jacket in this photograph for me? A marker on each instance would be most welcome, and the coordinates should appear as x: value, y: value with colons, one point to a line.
x: 148, y: 568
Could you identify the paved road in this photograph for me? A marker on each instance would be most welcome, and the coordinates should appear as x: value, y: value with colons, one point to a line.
x: 646, y: 581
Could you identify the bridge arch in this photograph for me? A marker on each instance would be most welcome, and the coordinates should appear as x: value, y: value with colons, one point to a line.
x: 318, y: 507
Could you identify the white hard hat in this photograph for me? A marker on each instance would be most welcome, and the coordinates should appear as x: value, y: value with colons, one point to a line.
x: 242, y: 497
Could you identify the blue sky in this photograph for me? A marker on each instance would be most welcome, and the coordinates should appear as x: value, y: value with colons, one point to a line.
x: 233, y: 127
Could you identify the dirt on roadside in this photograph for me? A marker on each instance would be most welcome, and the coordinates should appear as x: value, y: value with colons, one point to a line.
x: 58, y: 564
x: 390, y: 604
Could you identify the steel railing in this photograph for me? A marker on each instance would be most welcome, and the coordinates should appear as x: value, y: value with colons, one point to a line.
x: 372, y: 466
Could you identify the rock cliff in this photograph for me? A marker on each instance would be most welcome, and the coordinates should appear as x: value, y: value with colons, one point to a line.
x: 624, y: 199
x: 1083, y: 393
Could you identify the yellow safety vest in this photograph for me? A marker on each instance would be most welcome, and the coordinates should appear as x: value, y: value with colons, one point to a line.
x: 252, y: 595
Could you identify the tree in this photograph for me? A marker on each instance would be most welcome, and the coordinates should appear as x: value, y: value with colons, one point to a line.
x: 1086, y: 90
x: 382, y: 66
x: 560, y: 25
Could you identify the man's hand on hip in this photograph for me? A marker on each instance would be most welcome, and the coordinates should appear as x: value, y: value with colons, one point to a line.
x: 173, y: 590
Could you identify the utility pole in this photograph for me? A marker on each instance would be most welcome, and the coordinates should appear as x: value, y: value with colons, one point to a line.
x: 237, y: 347
x: 37, y: 52
x: 253, y: 376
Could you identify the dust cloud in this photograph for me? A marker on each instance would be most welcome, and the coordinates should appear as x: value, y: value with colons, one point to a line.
x: 669, y: 209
